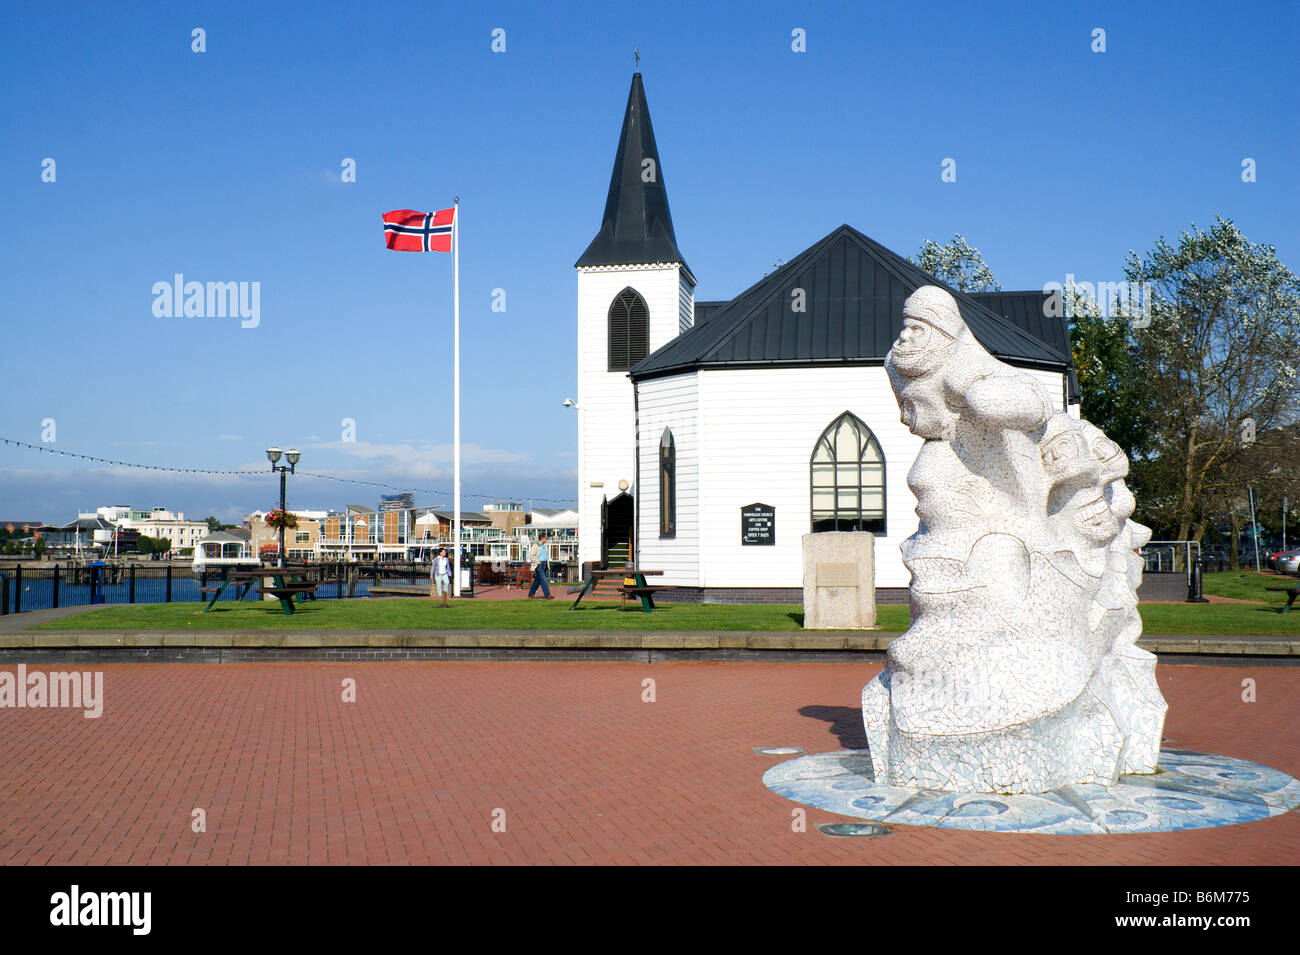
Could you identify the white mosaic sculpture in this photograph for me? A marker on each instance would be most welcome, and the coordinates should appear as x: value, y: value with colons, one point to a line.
x: 1020, y: 671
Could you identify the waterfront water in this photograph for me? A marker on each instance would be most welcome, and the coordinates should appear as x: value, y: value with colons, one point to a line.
x: 38, y: 592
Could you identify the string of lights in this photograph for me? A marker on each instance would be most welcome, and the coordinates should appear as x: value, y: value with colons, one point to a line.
x: 261, y: 472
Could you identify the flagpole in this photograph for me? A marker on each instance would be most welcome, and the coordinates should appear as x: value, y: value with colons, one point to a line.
x: 455, y: 297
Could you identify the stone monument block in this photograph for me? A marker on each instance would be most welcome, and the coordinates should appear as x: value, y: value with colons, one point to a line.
x: 839, y: 581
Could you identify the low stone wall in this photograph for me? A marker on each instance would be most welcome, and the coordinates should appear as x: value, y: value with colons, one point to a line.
x: 760, y: 595
x: 1163, y: 587
x: 270, y: 645
x: 1155, y: 587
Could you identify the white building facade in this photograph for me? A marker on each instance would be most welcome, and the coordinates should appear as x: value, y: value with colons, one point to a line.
x: 714, y: 435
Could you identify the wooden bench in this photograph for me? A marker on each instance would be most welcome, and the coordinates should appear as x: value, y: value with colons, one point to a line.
x: 486, y: 574
x: 1291, y: 592
x: 521, y: 576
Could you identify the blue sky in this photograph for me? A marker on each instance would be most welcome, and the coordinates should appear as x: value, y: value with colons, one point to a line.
x: 225, y: 166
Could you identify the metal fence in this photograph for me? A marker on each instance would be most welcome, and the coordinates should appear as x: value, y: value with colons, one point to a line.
x: 46, y: 586
x: 1170, y: 556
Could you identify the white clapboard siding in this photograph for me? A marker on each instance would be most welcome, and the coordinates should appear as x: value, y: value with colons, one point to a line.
x: 669, y: 403
x: 606, y: 428
x: 1054, y: 382
x: 759, y: 428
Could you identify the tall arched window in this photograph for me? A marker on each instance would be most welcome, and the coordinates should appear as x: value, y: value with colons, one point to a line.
x: 848, y: 478
x: 629, y: 330
x: 667, y: 485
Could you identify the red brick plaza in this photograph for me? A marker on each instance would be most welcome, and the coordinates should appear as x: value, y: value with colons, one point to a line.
x: 567, y: 755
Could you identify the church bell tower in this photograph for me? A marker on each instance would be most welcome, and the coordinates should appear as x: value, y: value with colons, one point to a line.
x: 635, y: 294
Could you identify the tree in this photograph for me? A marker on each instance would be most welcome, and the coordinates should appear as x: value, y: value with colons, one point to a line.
x: 1268, y: 465
x: 144, y: 544
x: 214, y: 524
x: 958, y: 264
x: 38, y: 548
x: 1216, y: 369
x: 1106, y: 365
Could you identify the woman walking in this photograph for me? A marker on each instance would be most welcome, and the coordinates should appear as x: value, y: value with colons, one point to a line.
x: 440, y: 575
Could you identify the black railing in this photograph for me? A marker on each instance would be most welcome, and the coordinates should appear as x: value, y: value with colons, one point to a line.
x: 48, y: 585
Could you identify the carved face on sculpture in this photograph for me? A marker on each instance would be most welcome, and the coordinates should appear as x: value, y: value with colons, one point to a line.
x: 931, y: 325
x: 1095, y: 522
x: 1065, y: 453
x: 1114, y: 462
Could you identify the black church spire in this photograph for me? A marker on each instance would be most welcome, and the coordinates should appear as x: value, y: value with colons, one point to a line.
x: 637, y: 227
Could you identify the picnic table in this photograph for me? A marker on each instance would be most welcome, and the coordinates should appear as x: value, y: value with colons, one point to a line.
x: 295, y: 587
x: 1291, y: 594
x: 633, y: 585
x: 243, y: 584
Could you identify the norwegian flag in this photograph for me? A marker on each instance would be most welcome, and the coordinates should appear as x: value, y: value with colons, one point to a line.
x: 408, y: 231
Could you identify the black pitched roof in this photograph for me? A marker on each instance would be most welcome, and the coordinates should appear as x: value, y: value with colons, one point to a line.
x: 637, y: 227
x: 854, y: 290
x: 1028, y: 311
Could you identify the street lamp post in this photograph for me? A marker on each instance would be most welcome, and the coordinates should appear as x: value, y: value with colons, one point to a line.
x: 292, y: 456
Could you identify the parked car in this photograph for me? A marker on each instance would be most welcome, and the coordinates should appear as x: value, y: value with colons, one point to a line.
x: 1277, y: 555
x: 1289, y: 563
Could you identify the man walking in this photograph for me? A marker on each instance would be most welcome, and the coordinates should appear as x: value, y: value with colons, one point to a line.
x: 540, y: 568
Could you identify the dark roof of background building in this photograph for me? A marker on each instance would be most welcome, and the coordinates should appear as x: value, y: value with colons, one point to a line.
x: 854, y: 290
x: 87, y: 524
x: 224, y: 536
x: 637, y: 227
x: 464, y: 516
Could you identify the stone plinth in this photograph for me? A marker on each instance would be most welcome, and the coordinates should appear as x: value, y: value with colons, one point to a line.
x: 839, y: 581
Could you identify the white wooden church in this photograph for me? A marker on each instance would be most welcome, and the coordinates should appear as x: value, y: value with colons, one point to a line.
x: 713, y: 435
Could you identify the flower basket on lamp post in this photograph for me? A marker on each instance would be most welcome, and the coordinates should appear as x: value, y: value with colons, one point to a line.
x: 281, y: 519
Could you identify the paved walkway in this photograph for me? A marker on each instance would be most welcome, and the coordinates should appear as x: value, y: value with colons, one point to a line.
x: 580, y: 769
x: 13, y: 622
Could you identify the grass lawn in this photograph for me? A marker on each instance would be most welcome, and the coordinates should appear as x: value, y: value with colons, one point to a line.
x: 397, y: 613
x: 1247, y: 585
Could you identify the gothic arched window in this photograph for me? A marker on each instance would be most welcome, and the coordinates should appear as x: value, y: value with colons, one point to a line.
x: 848, y: 478
x: 667, y: 485
x: 629, y: 330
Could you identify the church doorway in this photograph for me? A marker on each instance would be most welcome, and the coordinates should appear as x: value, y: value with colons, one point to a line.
x: 616, y: 531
